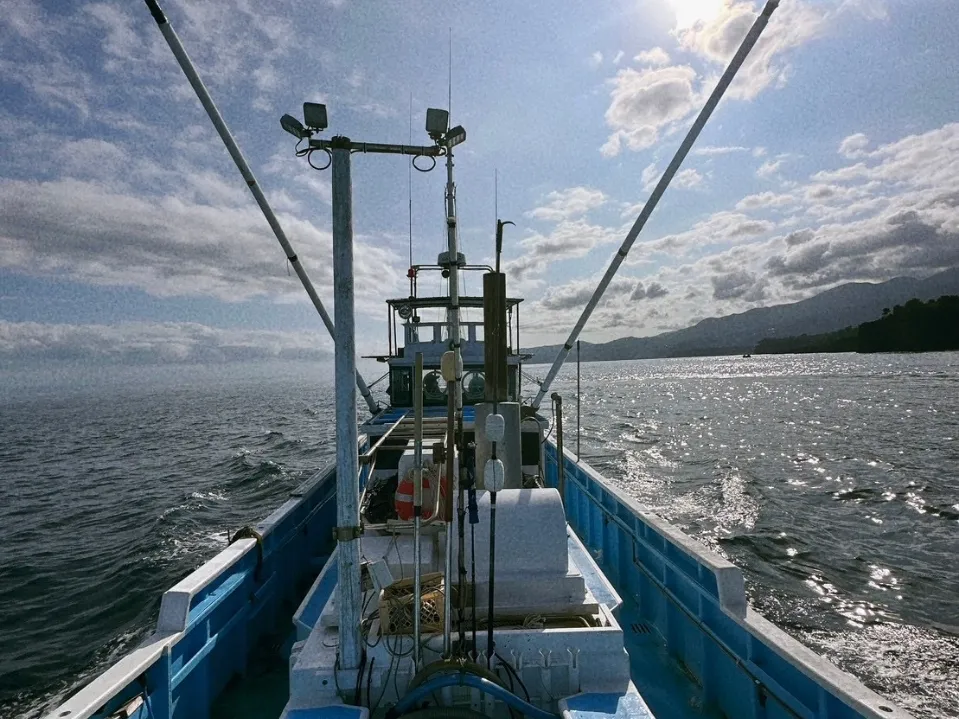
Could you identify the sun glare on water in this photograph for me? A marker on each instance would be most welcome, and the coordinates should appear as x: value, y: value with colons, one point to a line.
x: 689, y: 12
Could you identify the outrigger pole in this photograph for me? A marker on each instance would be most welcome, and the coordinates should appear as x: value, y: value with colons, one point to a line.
x: 747, y: 45
x: 204, y: 96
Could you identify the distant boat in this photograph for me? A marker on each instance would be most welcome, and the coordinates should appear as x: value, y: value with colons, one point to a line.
x: 456, y: 561
x: 747, y: 355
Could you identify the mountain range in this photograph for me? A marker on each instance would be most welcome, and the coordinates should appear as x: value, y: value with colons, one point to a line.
x: 834, y: 309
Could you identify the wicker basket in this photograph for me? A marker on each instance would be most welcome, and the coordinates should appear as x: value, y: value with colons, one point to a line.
x: 396, y: 605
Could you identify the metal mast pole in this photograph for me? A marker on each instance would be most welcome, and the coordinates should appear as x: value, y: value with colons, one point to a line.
x: 751, y: 37
x: 452, y: 240
x: 211, y: 110
x: 349, y: 597
x: 457, y: 404
x: 418, y: 502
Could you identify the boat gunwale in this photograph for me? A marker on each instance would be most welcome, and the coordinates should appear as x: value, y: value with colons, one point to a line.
x: 116, y: 681
x: 841, y: 685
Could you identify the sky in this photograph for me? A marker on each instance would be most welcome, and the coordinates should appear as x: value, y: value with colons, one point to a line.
x: 127, y: 235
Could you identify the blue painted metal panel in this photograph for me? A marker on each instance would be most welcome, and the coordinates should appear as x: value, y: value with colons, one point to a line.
x: 605, y: 706
x: 735, y: 664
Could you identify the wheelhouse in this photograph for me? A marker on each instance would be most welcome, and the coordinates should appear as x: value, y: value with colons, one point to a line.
x: 419, y: 324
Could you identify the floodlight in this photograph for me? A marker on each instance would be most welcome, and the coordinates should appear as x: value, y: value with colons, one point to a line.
x: 294, y: 127
x: 314, y: 115
x: 437, y: 122
x: 455, y: 136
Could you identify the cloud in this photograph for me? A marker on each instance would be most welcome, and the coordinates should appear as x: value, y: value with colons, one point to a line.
x: 165, y: 245
x: 898, y: 213
x: 718, y: 38
x: 650, y: 176
x: 574, y: 295
x: 764, y: 200
x: 144, y: 342
x: 709, y: 150
x: 739, y: 284
x: 854, y: 146
x: 618, y: 58
x: 684, y: 179
x: 596, y: 59
x: 719, y: 228
x: 653, y: 292
x: 569, y: 203
x: 687, y: 178
x: 569, y: 238
x: 645, y: 102
x: 655, y: 56
x: 769, y: 169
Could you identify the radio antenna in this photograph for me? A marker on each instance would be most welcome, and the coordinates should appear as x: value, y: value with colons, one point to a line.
x: 410, y: 181
x: 449, y: 97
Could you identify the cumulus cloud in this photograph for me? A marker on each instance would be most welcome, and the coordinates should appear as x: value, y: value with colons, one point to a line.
x: 574, y: 295
x: 738, y: 284
x: 143, y: 342
x: 655, y: 56
x: 652, y: 292
x: 719, y: 228
x: 764, y: 200
x: 854, y: 146
x: 718, y: 38
x: 569, y: 238
x: 687, y: 178
x: 569, y: 203
x: 644, y: 102
x: 769, y: 169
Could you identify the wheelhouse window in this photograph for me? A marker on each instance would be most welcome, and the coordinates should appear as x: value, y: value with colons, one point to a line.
x: 401, y: 386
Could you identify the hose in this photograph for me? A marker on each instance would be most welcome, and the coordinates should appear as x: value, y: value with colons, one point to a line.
x: 445, y: 713
x: 453, y: 666
x: 466, y: 680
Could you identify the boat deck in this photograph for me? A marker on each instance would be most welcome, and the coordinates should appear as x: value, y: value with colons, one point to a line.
x: 667, y: 691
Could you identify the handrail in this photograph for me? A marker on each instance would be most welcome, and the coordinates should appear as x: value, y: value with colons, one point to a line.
x: 369, y: 454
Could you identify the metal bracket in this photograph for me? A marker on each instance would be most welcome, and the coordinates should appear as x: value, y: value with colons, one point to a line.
x: 346, y: 534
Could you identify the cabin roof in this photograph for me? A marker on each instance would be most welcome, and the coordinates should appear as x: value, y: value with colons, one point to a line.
x: 427, y: 302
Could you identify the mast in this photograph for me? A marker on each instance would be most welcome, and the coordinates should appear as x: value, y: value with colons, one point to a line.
x: 349, y: 594
x: 452, y: 241
x: 226, y: 136
x: 751, y: 37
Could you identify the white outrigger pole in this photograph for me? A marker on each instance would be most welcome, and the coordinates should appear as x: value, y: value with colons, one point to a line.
x: 186, y: 65
x: 748, y: 42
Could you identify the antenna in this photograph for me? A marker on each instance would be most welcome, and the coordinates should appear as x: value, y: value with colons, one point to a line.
x: 496, y: 193
x: 410, y: 180
x: 449, y: 97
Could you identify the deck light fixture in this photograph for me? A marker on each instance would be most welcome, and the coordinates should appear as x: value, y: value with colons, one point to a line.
x: 294, y: 127
x: 455, y: 136
x: 437, y: 123
x: 314, y: 116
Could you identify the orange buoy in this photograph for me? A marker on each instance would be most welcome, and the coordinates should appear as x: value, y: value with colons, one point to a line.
x: 404, y: 493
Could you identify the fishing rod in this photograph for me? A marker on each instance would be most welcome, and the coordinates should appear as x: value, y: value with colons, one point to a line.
x: 169, y: 34
x: 747, y: 45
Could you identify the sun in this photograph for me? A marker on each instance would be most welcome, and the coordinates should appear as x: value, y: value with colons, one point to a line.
x: 689, y: 12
